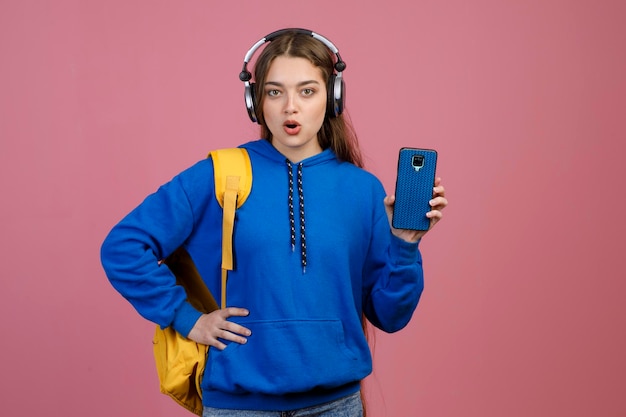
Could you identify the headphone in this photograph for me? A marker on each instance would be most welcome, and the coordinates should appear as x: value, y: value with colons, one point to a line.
x: 336, y: 87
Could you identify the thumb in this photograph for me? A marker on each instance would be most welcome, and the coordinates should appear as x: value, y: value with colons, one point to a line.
x: 389, y: 202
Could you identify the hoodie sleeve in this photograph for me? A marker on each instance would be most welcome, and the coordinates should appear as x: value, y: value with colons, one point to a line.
x: 132, y: 251
x: 393, y: 278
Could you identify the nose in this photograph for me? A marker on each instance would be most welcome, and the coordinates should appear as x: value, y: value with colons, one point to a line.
x: 290, y: 104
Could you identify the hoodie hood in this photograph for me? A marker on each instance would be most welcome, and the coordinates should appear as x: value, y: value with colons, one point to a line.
x: 266, y: 149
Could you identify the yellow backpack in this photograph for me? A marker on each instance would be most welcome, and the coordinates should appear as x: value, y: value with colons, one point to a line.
x: 180, y: 361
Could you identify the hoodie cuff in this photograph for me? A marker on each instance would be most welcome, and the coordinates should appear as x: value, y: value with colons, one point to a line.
x: 403, y: 252
x: 186, y: 317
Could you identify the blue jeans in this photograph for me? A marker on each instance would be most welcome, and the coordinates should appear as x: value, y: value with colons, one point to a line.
x: 349, y: 406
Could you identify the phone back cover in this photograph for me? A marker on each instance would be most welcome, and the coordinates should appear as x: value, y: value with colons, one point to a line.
x: 414, y: 189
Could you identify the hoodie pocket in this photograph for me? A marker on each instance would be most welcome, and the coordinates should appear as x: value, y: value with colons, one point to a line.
x: 286, y: 357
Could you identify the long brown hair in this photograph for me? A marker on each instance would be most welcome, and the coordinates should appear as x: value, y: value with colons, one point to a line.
x: 336, y: 133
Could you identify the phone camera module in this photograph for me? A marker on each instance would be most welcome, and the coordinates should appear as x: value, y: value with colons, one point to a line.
x: 417, y: 162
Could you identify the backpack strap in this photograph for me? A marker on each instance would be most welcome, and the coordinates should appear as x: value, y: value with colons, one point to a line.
x: 232, y: 162
x: 233, y: 183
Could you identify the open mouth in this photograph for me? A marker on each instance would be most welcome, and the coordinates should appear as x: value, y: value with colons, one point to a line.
x: 291, y: 127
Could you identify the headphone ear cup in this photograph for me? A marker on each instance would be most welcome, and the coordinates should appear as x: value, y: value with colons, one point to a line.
x: 250, y: 101
x: 336, y: 95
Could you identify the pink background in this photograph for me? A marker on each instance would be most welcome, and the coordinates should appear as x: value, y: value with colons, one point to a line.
x: 523, y: 313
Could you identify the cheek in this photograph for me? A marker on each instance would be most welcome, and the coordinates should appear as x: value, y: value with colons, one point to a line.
x: 320, y: 103
x: 321, y: 113
x: 268, y: 113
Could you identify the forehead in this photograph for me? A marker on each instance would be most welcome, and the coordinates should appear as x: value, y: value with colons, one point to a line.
x: 286, y: 68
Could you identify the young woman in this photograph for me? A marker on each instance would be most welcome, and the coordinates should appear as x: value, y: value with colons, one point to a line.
x: 314, y: 246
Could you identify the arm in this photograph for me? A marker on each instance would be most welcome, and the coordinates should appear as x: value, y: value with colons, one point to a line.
x: 393, y: 281
x: 394, y: 278
x: 132, y: 250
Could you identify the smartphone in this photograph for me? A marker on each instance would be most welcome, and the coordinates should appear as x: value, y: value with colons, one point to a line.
x: 414, y: 188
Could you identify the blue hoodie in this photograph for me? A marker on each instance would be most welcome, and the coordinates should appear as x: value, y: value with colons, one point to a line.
x: 313, y: 252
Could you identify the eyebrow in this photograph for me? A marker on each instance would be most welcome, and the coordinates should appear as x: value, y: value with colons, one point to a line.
x: 300, y: 84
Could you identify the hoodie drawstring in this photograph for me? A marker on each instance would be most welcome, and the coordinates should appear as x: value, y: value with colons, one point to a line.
x: 301, y: 213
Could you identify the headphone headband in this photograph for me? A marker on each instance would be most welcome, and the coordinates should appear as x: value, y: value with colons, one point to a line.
x: 245, y: 75
x: 336, y: 86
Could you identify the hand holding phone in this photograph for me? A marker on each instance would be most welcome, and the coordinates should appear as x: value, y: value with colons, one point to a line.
x: 414, y: 188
